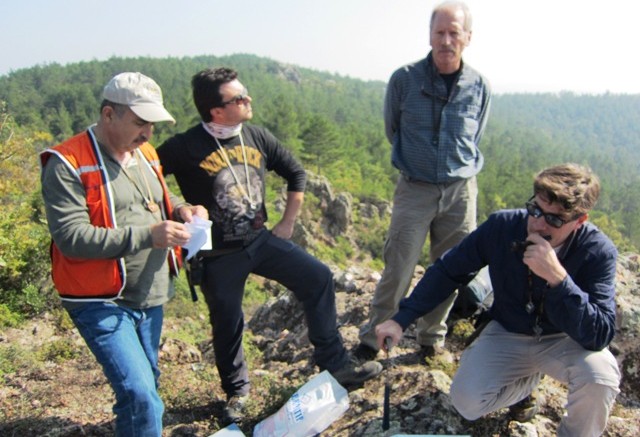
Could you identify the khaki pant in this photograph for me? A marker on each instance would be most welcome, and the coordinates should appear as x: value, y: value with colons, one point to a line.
x: 447, y: 212
x: 500, y: 368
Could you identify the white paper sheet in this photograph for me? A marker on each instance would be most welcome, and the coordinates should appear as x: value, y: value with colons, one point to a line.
x: 200, y: 230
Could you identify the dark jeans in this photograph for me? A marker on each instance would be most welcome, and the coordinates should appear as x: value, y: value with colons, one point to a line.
x: 285, y: 262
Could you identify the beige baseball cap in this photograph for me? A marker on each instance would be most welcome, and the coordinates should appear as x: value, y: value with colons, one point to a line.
x: 140, y: 93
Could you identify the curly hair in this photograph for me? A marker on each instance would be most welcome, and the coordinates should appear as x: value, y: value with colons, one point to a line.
x: 575, y: 187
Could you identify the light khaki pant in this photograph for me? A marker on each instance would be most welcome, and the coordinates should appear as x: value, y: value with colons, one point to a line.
x: 447, y: 213
x: 500, y: 368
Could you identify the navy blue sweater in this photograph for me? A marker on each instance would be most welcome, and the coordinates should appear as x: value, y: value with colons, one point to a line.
x: 582, y: 306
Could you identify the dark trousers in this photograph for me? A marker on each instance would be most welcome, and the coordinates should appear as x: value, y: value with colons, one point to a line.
x: 287, y: 263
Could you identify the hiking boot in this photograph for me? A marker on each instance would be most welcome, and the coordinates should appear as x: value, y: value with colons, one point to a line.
x: 432, y: 350
x: 354, y: 373
x: 435, y: 352
x: 234, y: 409
x: 364, y: 353
x: 524, y: 410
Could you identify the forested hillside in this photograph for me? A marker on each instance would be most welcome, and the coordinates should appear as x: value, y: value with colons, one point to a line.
x: 528, y: 132
x: 334, y: 125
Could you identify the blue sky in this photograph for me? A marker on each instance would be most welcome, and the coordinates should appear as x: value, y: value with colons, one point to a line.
x: 584, y: 46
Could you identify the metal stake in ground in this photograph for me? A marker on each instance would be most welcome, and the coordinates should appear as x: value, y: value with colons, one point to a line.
x: 387, y: 389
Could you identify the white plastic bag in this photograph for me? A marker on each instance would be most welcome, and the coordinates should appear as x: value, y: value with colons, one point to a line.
x: 230, y: 431
x: 309, y: 411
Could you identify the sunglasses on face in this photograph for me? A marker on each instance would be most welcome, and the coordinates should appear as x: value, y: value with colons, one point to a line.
x: 553, y: 220
x: 240, y: 99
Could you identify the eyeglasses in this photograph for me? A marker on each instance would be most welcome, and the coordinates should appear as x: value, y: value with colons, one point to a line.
x: 240, y: 99
x: 554, y: 220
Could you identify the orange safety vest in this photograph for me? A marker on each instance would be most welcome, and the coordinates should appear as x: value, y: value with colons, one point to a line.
x: 97, y: 279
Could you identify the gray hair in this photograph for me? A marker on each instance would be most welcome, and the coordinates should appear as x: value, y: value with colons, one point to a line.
x: 454, y: 4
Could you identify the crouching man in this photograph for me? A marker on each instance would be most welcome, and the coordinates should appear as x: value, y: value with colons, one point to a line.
x: 553, y: 312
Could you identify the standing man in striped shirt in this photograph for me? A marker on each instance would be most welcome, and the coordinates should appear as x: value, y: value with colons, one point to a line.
x: 435, y: 112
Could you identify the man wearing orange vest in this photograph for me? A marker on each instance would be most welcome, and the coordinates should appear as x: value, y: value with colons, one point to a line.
x: 116, y: 233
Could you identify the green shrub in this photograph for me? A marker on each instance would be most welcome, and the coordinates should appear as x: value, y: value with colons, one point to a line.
x: 8, y: 318
x: 275, y: 393
x: 24, y: 238
x: 255, y: 295
x: 13, y: 358
x: 63, y: 322
x: 251, y: 352
x: 58, y: 351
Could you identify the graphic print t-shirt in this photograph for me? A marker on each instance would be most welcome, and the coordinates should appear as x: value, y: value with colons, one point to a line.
x: 235, y: 202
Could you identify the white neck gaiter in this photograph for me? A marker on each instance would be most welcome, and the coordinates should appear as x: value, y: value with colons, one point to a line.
x: 221, y: 131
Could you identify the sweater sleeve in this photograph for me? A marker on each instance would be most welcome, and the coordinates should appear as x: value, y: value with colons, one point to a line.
x: 454, y: 269
x: 432, y: 289
x: 583, y: 306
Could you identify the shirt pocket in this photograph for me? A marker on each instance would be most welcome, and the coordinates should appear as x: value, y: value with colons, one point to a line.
x: 467, y: 111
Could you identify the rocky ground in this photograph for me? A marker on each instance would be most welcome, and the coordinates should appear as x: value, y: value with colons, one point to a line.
x: 71, y: 397
x: 50, y: 385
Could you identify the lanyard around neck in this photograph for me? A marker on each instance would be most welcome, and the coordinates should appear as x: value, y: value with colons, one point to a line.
x: 532, y: 308
x: 150, y: 204
x: 246, y: 193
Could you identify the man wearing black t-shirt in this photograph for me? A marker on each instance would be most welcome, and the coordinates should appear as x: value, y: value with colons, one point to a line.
x: 222, y: 163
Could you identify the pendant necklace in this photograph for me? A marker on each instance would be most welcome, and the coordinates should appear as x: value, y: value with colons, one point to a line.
x: 149, y: 203
x: 530, y: 307
x: 246, y: 193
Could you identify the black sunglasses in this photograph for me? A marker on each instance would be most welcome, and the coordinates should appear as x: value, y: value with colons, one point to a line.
x: 238, y: 100
x: 554, y: 220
